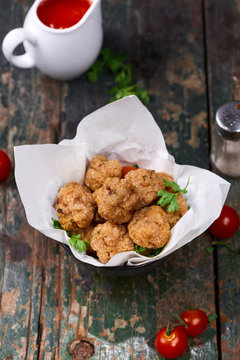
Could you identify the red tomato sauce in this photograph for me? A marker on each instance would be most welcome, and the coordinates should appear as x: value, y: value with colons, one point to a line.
x: 62, y: 14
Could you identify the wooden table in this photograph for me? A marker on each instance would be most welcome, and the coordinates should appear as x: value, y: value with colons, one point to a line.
x: 186, y: 54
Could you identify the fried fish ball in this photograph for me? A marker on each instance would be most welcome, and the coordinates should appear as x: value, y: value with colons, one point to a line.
x: 175, y: 216
x: 116, y: 200
x: 109, y: 239
x: 147, y: 184
x: 75, y: 206
x: 149, y: 227
x: 99, y: 169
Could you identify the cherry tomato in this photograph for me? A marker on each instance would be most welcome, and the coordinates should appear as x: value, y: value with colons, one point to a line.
x: 196, y: 321
x: 174, y: 345
x: 5, y: 165
x: 126, y: 170
x: 226, y: 224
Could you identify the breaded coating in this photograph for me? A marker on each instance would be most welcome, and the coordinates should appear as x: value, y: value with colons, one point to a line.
x: 109, y: 239
x: 87, y: 236
x: 149, y: 227
x: 99, y: 169
x: 166, y: 176
x: 147, y: 184
x: 75, y: 206
x: 116, y: 200
x: 175, y: 216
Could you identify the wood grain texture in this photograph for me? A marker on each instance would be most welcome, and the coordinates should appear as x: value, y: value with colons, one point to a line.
x: 48, y: 299
x: 223, y: 53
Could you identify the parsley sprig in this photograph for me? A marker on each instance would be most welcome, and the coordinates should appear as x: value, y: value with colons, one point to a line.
x: 122, y: 74
x: 148, y: 252
x: 75, y: 240
x: 169, y: 199
x: 78, y: 244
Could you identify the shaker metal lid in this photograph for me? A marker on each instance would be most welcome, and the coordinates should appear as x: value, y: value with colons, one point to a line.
x: 228, y: 120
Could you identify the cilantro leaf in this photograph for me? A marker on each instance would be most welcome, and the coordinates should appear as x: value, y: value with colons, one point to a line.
x: 172, y: 184
x: 139, y: 249
x: 78, y: 244
x: 166, y: 198
x: 169, y: 199
x: 116, y: 63
x: 149, y: 252
x: 75, y: 240
x: 106, y: 54
x: 122, y: 75
x: 142, y: 94
x: 156, y: 252
x: 95, y: 71
x: 56, y: 224
x: 173, y: 206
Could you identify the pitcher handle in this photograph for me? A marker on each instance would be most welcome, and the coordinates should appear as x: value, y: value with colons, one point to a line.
x: 10, y: 43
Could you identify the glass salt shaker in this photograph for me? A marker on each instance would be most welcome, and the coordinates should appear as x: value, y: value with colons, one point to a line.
x: 225, y: 152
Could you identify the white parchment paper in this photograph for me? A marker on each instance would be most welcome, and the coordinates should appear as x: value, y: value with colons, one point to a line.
x: 123, y: 130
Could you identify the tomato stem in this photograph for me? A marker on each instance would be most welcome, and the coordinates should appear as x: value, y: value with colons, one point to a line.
x: 180, y: 319
x: 225, y: 244
x: 170, y: 327
x: 212, y: 317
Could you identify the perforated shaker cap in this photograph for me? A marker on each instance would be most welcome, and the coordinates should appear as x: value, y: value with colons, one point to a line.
x: 228, y: 120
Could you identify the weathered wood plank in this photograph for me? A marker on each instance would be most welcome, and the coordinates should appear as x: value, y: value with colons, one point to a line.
x: 223, y: 35
x: 54, y: 296
x: 165, y: 44
x: 30, y: 105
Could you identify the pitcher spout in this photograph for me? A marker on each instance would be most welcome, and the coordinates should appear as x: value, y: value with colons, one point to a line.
x: 95, y: 11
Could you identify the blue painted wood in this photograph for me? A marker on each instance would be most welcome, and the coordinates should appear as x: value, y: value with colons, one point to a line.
x: 48, y: 299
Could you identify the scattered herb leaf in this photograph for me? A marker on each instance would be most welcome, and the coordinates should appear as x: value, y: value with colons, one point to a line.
x: 169, y: 198
x: 122, y: 75
x: 209, y: 249
x: 223, y: 243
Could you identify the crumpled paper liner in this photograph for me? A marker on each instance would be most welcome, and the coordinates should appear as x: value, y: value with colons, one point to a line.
x: 123, y: 130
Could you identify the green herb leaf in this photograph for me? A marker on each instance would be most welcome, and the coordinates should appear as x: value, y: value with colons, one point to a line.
x: 209, y: 249
x: 156, y: 252
x: 78, y: 244
x: 169, y: 198
x: 122, y: 75
x: 56, y: 224
x: 139, y: 249
x: 173, y: 205
x: 153, y: 252
x: 175, y: 187
x: 95, y: 71
x: 75, y: 240
x: 142, y: 94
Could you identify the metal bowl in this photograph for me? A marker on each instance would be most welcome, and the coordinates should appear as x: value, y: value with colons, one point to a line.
x: 120, y: 271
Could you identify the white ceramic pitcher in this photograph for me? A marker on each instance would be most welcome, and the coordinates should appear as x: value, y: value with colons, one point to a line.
x: 62, y: 54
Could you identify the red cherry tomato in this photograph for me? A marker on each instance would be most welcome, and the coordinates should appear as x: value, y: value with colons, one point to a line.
x: 5, y: 165
x: 196, y: 321
x: 226, y: 224
x: 174, y: 345
x: 126, y: 170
